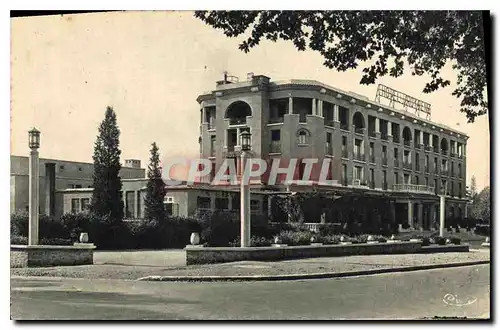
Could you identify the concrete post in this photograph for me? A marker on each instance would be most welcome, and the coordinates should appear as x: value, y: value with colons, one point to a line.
x: 245, y: 205
x: 377, y: 125
x: 441, y: 215
x: 290, y: 105
x: 335, y: 112
x: 389, y: 128
x: 314, y: 110
x: 320, y: 108
x: 34, y: 195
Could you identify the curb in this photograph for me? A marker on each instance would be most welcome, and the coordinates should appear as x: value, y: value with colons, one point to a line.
x: 289, y: 277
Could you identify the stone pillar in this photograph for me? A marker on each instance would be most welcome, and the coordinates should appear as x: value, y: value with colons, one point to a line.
x: 389, y: 128
x: 336, y: 112
x: 314, y: 110
x: 421, y: 140
x: 34, y: 197
x: 290, y: 105
x: 377, y: 125
x: 431, y: 140
x: 320, y: 108
x: 420, y: 222
x: 410, y: 213
x: 441, y: 215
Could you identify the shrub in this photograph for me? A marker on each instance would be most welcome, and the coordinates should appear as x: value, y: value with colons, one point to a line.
x: 329, y: 239
x: 363, y: 238
x: 455, y: 240
x: 380, y: 238
x: 260, y: 241
x: 219, y: 229
x: 18, y: 240
x: 440, y: 240
x: 75, y: 223
x: 48, y: 227
x: 426, y: 241
x: 328, y: 229
x: 295, y: 238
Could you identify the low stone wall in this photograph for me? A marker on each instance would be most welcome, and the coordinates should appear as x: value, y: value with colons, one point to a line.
x: 51, y: 255
x: 444, y: 248
x: 209, y: 255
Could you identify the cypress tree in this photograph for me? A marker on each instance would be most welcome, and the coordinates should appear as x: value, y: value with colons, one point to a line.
x: 107, y: 204
x: 155, y: 190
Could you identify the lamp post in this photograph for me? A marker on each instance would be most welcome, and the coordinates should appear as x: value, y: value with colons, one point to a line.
x: 34, y: 202
x: 244, y: 192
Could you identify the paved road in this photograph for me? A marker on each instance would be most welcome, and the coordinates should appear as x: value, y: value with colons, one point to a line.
x: 398, y: 295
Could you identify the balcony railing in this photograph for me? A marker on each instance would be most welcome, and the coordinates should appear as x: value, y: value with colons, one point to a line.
x: 427, y: 148
x: 211, y: 124
x: 371, y: 133
x: 276, y: 120
x: 230, y: 147
x: 275, y: 147
x: 418, y: 146
x: 415, y: 188
x: 237, y: 121
x: 443, y: 172
x: 345, y: 154
x: 383, y: 136
x: 372, y: 159
x: 406, y: 143
x: 384, y: 185
x: 436, y: 149
x: 417, y: 167
x: 384, y: 161
x: 358, y: 130
x: 360, y: 182
x: 407, y: 165
x: 396, y: 162
x: 359, y: 157
x: 328, y: 122
x: 452, y: 154
x: 344, y: 126
x: 395, y: 139
x: 444, y: 152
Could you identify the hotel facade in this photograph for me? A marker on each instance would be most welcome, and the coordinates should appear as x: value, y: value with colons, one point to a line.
x: 372, y: 147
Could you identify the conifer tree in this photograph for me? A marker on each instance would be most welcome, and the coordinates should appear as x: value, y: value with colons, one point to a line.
x: 155, y: 190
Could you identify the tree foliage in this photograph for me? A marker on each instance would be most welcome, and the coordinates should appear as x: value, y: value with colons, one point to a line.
x: 155, y: 190
x: 385, y: 40
x: 107, y: 197
x: 481, y: 209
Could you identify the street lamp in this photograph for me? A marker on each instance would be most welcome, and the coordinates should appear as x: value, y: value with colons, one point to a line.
x: 244, y: 192
x: 34, y: 186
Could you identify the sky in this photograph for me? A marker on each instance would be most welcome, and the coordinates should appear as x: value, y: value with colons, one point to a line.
x: 150, y: 66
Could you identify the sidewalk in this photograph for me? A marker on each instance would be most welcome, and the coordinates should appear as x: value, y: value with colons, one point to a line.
x: 253, y: 270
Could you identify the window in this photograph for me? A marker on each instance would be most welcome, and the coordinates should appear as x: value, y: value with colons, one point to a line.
x: 212, y: 145
x: 75, y: 205
x: 372, y: 147
x: 459, y: 170
x: 396, y: 153
x: 358, y: 173
x: 435, y: 164
x: 344, y: 146
x: 406, y: 179
x: 372, y: 178
x: 221, y: 204
x: 328, y: 137
x: 139, y: 198
x: 203, y: 202
x: 417, y: 180
x: 384, y: 179
x: 276, y: 135
x: 384, y: 151
x: 129, y: 204
x: 396, y: 178
x: 254, y: 205
x: 302, y: 137
x: 358, y: 150
x: 407, y: 157
x: 85, y: 203
x: 344, y: 174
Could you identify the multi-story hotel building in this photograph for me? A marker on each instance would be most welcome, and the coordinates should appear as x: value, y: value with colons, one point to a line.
x: 372, y: 146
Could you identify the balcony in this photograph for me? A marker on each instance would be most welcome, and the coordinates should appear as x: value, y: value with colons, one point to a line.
x: 396, y: 162
x: 360, y: 182
x: 360, y: 157
x: 407, y: 143
x: 452, y: 154
x: 384, y: 161
x: 418, y: 146
x: 275, y: 147
x: 237, y: 121
x: 384, y: 136
x: 417, y: 167
x: 371, y: 133
x: 444, y: 152
x: 345, y: 154
x: 407, y: 166
x: 372, y: 159
x: 384, y: 186
x: 276, y: 120
x: 435, y: 149
x: 329, y: 122
x: 344, y: 126
x: 211, y: 124
x: 414, y: 188
x: 427, y: 148
x: 444, y: 172
x: 395, y: 139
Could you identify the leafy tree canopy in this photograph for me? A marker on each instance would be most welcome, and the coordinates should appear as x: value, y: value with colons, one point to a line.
x: 425, y: 40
